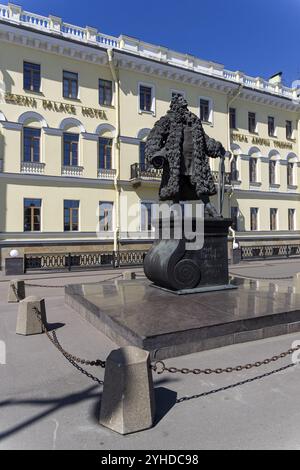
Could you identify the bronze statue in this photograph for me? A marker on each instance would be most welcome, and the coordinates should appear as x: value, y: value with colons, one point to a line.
x: 178, y: 145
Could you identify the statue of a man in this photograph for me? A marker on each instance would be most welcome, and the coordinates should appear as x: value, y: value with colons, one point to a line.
x: 178, y: 145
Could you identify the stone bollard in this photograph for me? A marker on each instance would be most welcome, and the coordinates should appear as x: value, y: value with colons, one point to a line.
x: 128, y: 403
x: 129, y: 276
x: 16, y: 291
x: 297, y: 282
x: 28, y: 322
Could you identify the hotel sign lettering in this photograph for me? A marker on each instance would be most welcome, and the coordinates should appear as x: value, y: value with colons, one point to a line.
x: 54, y: 106
x: 262, y: 142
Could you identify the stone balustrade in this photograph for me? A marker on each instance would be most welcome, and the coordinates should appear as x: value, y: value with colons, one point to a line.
x: 15, y: 14
x: 74, y: 171
x: 33, y: 168
x: 105, y: 174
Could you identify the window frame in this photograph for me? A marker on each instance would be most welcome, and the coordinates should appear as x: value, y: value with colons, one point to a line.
x: 112, y: 205
x: 255, y: 120
x: 32, y: 215
x: 256, y: 209
x: 210, y: 110
x: 111, y: 104
x: 153, y: 100
x: 274, y: 126
x: 71, y: 165
x: 276, y: 219
x: 25, y: 62
x: 293, y: 228
x: 291, y: 136
x: 32, y: 140
x: 235, y: 118
x: 111, y: 140
x: 143, y: 203
x: 253, y: 159
x: 70, y: 81
x: 71, y: 209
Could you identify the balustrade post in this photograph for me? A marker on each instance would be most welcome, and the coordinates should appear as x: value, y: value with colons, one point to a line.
x: 15, y: 12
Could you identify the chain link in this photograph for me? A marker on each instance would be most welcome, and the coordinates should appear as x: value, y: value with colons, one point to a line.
x: 54, y: 340
x: 62, y: 287
x: 240, y: 276
x: 160, y: 367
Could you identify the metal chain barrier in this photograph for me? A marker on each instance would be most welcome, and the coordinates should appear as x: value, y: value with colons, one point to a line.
x: 62, y: 287
x: 240, y: 276
x: 75, y: 361
x: 238, y: 384
x: 160, y: 367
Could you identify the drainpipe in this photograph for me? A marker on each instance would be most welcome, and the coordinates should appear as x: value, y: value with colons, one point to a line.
x: 115, y: 75
x: 222, y: 169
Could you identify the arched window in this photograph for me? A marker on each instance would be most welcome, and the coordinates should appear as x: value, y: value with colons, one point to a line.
x: 274, y: 157
x: 234, y: 168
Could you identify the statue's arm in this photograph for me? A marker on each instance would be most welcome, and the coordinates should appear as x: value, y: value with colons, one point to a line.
x: 155, y: 143
x: 214, y: 148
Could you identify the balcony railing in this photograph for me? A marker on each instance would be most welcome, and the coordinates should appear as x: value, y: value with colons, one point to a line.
x: 228, y: 178
x: 142, y: 171
x: 105, y: 174
x: 33, y: 168
x: 74, y: 171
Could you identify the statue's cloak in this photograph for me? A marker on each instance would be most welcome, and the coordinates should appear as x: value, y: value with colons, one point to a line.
x: 168, y: 134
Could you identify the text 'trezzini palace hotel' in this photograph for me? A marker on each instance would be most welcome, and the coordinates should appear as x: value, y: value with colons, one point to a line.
x: 76, y: 107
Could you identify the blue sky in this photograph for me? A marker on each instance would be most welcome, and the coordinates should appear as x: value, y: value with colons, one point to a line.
x: 259, y: 37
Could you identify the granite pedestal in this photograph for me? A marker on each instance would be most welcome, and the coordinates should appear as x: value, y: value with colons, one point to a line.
x: 134, y: 313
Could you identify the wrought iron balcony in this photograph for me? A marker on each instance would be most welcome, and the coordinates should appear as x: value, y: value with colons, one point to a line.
x: 140, y: 171
x: 228, y: 178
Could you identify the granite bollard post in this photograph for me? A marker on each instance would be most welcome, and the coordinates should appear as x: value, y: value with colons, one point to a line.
x: 31, y: 316
x: 16, y: 291
x: 128, y: 403
x: 129, y: 276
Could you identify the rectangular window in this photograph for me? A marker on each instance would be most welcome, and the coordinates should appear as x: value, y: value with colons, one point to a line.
x: 106, y: 216
x: 142, y: 155
x: 145, y: 98
x: 273, y: 219
x: 70, y: 85
x: 254, y: 218
x: 253, y: 170
x: 271, y: 126
x: 146, y: 217
x: 71, y: 142
x: 234, y: 217
x: 32, y: 77
x: 32, y: 215
x: 292, y: 213
x: 105, y: 153
x: 290, y: 174
x: 71, y: 216
x: 204, y: 110
x: 31, y: 144
x: 272, y: 171
x: 289, y: 129
x: 252, y: 123
x: 232, y: 116
x: 105, y: 92
x: 234, y: 169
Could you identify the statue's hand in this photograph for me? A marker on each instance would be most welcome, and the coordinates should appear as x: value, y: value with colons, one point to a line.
x: 215, y: 149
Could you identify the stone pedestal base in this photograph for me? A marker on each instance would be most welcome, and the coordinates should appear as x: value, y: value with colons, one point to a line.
x: 171, y: 266
x: 16, y: 291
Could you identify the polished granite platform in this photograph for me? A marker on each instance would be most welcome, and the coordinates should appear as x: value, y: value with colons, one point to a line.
x: 135, y: 313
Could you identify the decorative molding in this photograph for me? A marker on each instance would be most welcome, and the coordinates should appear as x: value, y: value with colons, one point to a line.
x: 12, y: 126
x: 102, y: 128
x: 129, y: 140
x: 32, y: 116
x: 71, y: 122
x: 53, y: 131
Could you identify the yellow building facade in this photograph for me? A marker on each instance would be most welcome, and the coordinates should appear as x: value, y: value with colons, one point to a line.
x: 76, y: 107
